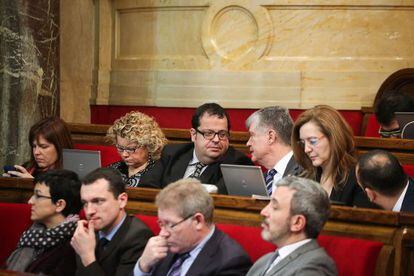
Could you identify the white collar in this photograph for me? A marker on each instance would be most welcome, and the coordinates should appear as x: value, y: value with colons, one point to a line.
x: 398, y: 204
x: 288, y: 249
x: 280, y: 166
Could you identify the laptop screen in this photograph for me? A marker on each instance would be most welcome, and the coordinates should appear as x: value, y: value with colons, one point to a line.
x: 81, y: 162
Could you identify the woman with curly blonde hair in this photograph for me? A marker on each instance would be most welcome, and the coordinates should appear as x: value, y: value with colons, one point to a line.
x: 323, y: 144
x: 139, y: 141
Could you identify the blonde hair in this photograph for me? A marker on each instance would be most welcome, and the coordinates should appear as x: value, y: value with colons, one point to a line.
x: 187, y: 197
x: 341, y: 141
x: 139, y: 128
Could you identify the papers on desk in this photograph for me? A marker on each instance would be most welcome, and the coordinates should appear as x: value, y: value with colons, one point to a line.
x: 260, y: 197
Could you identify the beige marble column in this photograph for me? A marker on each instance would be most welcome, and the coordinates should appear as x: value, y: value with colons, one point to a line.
x: 29, y: 71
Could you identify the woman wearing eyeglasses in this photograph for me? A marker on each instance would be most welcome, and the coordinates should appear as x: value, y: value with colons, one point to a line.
x: 324, y: 146
x: 45, y: 247
x: 139, y: 141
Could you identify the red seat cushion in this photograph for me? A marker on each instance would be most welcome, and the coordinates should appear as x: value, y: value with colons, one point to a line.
x: 409, y: 170
x: 15, y: 219
x: 372, y: 127
x: 250, y: 238
x: 151, y: 222
x: 109, y: 154
x: 354, y: 257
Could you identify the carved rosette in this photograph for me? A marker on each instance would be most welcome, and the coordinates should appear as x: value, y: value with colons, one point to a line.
x: 236, y: 34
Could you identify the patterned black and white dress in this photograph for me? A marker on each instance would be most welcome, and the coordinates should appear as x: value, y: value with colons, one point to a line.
x: 132, y: 181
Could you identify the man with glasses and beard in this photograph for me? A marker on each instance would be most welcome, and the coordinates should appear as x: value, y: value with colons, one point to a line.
x: 189, y: 243
x: 200, y: 159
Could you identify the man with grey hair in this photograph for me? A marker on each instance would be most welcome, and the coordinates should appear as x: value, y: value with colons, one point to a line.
x: 189, y: 243
x: 270, y: 129
x: 293, y: 218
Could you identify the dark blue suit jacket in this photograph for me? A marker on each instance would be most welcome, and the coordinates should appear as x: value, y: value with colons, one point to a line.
x: 221, y: 255
x: 408, y: 203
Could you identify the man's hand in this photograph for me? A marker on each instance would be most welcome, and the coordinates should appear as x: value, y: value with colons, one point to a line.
x: 155, y: 250
x: 84, y: 243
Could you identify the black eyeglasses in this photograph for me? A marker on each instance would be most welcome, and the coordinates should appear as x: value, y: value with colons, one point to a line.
x: 210, y: 134
x: 121, y: 149
x: 170, y: 226
x: 37, y: 196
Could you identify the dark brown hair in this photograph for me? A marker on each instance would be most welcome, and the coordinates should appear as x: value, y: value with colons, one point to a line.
x: 55, y: 131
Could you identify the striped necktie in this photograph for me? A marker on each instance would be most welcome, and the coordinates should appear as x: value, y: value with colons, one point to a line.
x: 176, y: 266
x: 198, y: 169
x: 269, y: 180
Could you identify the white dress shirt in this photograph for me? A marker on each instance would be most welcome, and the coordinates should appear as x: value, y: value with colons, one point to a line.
x: 398, y: 204
x: 280, y: 168
x: 192, y: 166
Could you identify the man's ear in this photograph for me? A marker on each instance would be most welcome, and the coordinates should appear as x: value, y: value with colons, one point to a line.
x: 193, y: 134
x: 297, y: 223
x: 60, y: 205
x: 200, y: 220
x: 371, y: 194
x: 123, y: 199
x: 272, y: 136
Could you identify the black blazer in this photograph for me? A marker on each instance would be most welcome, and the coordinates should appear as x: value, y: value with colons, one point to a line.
x: 292, y: 168
x: 351, y: 194
x: 121, y: 253
x: 221, y: 255
x: 59, y: 260
x: 408, y: 202
x: 174, y: 162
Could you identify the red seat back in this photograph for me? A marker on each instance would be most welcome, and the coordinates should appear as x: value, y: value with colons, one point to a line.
x: 354, y: 257
x: 15, y: 219
x: 109, y: 154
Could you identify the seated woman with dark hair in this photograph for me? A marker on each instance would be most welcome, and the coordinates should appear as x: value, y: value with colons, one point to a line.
x: 323, y: 144
x: 45, y: 247
x: 139, y: 141
x: 47, y: 139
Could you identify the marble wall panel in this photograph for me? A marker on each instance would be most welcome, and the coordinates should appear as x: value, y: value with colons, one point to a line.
x: 183, y: 53
x: 29, y: 72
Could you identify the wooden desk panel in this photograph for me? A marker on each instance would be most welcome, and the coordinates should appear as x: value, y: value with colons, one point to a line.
x: 403, y: 149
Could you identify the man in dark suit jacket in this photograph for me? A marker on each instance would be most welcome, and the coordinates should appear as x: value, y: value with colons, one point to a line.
x: 119, y: 240
x: 293, y: 219
x: 202, y: 158
x: 270, y: 129
x: 189, y: 243
x: 382, y: 177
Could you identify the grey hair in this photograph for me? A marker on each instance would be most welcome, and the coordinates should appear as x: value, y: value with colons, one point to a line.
x: 309, y: 200
x: 187, y: 197
x: 274, y: 117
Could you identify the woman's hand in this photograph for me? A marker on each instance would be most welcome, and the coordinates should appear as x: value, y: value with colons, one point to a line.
x: 19, y: 172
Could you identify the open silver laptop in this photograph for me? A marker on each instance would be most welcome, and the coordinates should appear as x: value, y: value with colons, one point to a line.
x: 244, y: 180
x: 81, y: 162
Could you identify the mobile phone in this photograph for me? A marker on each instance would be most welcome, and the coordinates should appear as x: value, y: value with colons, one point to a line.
x: 8, y: 168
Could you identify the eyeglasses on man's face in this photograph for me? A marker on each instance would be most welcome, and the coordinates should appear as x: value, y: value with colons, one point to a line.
x: 210, y: 134
x: 311, y: 141
x: 394, y: 133
x: 128, y: 150
x: 170, y: 226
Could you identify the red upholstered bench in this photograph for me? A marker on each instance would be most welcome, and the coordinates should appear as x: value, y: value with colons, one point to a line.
x: 109, y: 154
x: 372, y: 127
x: 352, y: 256
x: 15, y: 219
